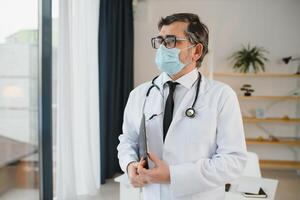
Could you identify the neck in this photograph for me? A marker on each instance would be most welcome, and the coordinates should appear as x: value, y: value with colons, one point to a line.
x: 183, y: 72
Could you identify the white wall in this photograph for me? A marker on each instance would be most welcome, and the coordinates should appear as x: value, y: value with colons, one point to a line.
x: 272, y: 24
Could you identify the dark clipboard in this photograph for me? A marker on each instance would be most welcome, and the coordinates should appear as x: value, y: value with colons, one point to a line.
x: 142, y: 142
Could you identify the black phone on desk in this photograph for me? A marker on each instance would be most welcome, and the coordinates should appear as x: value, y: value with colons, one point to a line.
x: 261, y: 194
x: 142, y: 142
x: 227, y: 187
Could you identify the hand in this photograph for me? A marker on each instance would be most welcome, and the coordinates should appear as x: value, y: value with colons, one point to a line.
x: 159, y: 174
x: 135, y: 179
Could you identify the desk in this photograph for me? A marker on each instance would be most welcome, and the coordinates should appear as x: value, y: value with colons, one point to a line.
x: 268, y: 185
x: 12, y: 151
x: 126, y: 190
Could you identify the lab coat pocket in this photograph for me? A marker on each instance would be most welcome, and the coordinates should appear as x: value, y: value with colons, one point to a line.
x: 201, y: 126
x: 201, y: 139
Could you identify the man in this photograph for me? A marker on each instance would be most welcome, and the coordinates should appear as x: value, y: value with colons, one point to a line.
x: 194, y: 125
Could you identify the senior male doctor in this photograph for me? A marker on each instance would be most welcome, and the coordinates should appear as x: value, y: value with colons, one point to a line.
x: 193, y: 124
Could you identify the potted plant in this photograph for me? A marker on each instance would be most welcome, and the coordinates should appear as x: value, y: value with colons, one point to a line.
x: 249, y: 57
x: 247, y: 90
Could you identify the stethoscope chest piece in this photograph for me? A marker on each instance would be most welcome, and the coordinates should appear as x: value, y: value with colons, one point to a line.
x: 190, y: 112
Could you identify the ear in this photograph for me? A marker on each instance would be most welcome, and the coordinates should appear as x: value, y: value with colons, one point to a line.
x: 198, y: 51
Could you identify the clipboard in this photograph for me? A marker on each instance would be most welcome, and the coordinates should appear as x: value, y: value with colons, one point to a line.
x: 142, y: 142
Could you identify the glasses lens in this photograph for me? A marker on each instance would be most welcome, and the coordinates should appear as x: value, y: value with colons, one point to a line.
x: 170, y: 42
x: 156, y: 42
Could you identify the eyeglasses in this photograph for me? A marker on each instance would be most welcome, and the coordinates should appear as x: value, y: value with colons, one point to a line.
x: 169, y: 41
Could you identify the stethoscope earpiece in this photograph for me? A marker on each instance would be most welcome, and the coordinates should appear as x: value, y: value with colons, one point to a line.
x: 190, y: 112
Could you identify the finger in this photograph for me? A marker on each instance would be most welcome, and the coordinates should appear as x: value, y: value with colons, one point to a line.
x: 145, y: 172
x: 154, y: 158
x: 140, y: 167
x: 146, y: 179
x: 146, y: 176
x: 139, y: 181
x: 142, y: 158
x: 145, y: 182
x: 142, y: 179
x: 142, y: 162
x: 135, y: 180
x: 135, y: 164
x: 133, y: 172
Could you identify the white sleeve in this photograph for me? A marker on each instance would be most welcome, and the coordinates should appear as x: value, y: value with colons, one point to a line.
x: 225, y: 165
x: 128, y: 146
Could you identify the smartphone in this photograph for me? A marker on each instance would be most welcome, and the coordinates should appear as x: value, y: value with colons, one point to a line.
x: 261, y: 194
x: 227, y: 187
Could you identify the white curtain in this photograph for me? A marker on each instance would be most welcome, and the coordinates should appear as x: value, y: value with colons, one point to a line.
x: 78, y: 156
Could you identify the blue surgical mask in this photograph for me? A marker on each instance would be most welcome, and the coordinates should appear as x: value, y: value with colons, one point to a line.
x: 167, y: 60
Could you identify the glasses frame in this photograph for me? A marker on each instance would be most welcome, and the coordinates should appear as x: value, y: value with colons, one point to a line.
x: 164, y: 43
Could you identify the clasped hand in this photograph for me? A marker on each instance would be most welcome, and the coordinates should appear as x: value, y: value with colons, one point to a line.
x: 140, y: 176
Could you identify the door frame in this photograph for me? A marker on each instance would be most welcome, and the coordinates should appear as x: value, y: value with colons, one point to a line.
x: 45, y: 100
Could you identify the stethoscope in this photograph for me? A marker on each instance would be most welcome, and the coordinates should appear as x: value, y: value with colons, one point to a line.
x: 190, y: 112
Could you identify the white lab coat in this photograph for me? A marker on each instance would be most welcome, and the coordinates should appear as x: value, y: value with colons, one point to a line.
x: 203, y: 153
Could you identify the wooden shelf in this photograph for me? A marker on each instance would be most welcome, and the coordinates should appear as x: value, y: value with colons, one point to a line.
x: 270, y: 120
x: 265, y: 74
x: 279, y: 164
x: 242, y: 97
x: 290, y: 142
x: 293, y: 142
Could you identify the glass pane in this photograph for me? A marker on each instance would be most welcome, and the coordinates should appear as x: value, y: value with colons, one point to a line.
x: 55, y: 36
x: 18, y: 100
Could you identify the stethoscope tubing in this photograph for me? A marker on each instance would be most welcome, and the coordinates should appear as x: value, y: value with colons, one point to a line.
x: 189, y: 110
